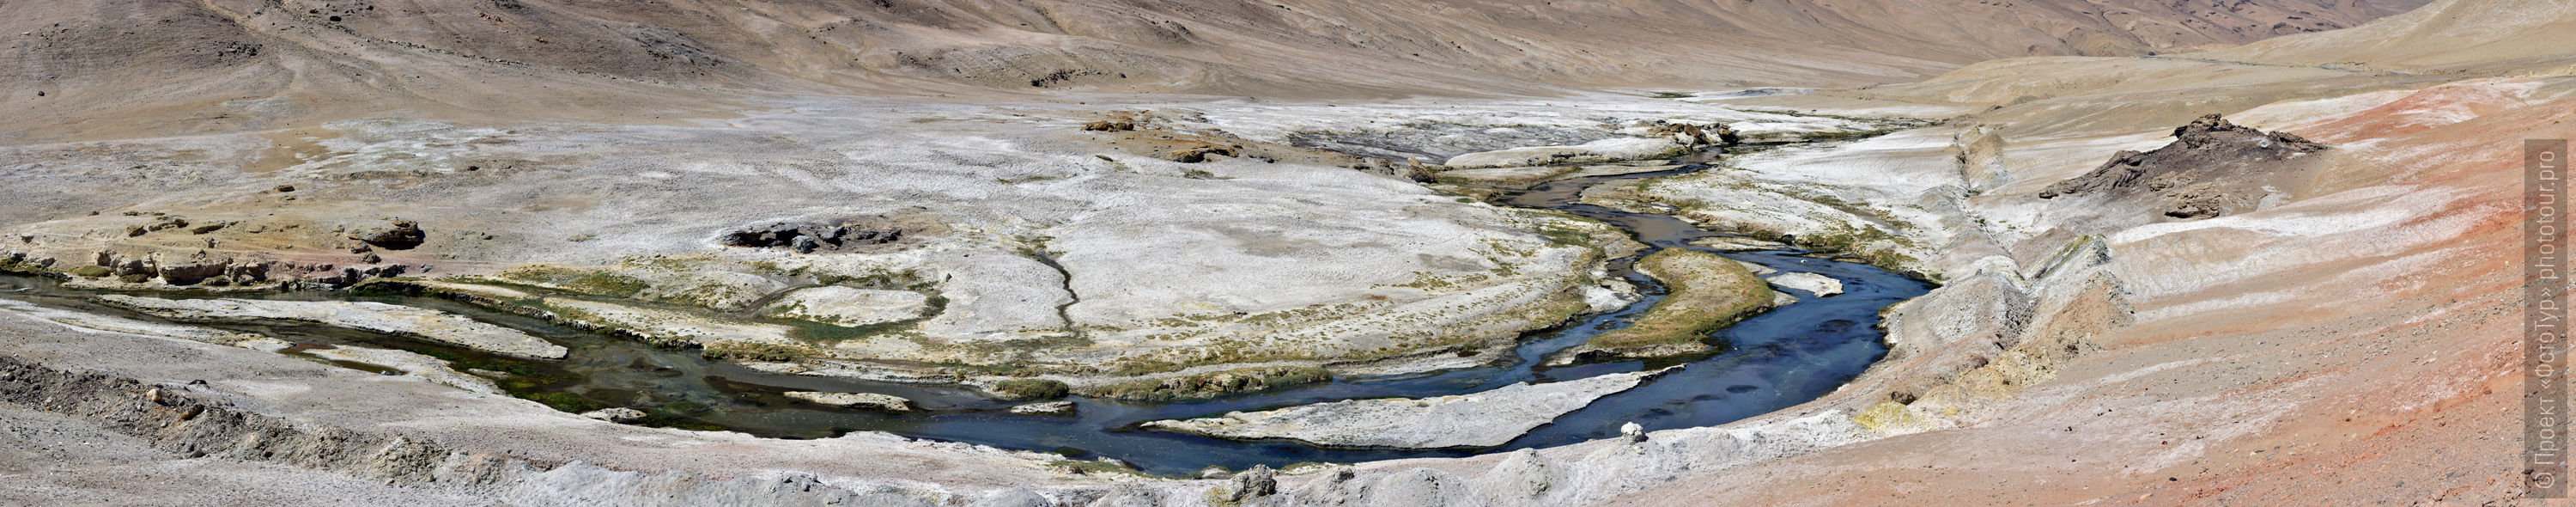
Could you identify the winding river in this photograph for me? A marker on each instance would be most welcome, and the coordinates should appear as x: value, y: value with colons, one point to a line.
x: 1778, y: 359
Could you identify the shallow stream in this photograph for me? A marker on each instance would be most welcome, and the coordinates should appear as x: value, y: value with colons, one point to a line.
x: 1772, y: 361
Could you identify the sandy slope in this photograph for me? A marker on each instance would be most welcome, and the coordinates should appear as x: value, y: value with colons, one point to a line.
x: 2356, y: 345
x: 165, y: 66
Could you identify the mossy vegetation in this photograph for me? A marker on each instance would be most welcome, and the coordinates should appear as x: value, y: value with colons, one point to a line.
x: 1093, y: 467
x: 755, y: 351
x: 90, y: 271
x: 17, y: 263
x: 1706, y: 292
x: 1213, y: 385
x: 1031, y: 389
x: 587, y: 281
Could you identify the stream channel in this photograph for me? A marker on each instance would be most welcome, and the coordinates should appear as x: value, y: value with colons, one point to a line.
x: 1780, y: 358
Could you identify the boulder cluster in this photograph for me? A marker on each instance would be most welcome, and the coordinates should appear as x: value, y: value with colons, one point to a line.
x: 2202, y: 174
x: 806, y: 237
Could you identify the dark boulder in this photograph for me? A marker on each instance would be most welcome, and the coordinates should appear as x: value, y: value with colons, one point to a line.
x: 810, y: 237
x: 2212, y: 168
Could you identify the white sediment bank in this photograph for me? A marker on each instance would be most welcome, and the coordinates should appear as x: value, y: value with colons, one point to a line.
x: 378, y: 317
x: 1483, y: 419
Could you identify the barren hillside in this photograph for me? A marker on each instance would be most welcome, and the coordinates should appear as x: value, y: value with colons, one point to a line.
x: 169, y: 66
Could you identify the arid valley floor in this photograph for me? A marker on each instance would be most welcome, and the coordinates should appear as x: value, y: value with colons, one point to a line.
x: 1301, y: 252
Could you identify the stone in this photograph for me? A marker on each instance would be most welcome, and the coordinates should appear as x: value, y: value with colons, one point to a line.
x: 191, y: 273
x: 158, y: 224
x: 863, y: 400
x: 1819, y: 285
x: 620, y: 415
x: 1632, y: 432
x: 810, y: 237
x: 1258, y: 482
x: 1199, y: 153
x: 1046, y: 408
x: 2212, y: 168
x: 390, y: 235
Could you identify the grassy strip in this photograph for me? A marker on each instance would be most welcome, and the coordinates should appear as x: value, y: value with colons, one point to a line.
x: 1030, y: 389
x: 1211, y: 385
x: 1707, y: 292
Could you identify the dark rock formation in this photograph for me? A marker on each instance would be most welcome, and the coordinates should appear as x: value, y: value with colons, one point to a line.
x: 809, y: 237
x: 192, y: 273
x: 2213, y: 168
x: 1694, y: 135
x: 393, y: 235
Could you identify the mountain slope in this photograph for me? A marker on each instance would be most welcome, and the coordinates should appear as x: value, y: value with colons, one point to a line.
x: 2447, y: 36
x: 173, y: 61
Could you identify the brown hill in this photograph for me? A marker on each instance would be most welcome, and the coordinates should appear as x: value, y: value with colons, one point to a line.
x: 2449, y: 36
x: 167, y: 66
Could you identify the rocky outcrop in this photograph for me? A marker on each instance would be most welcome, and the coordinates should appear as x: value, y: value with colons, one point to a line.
x: 390, y: 234
x: 1199, y: 152
x: 1045, y: 408
x: 158, y: 224
x: 1483, y: 419
x: 809, y: 237
x: 862, y: 400
x: 203, y: 269
x: 2212, y: 168
x: 422, y: 323
x: 1691, y: 134
x: 620, y: 415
